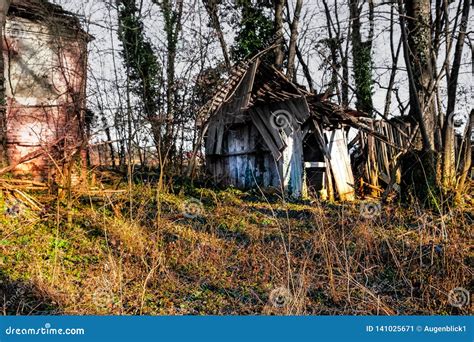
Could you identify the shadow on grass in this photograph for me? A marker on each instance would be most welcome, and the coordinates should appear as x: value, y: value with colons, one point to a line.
x: 24, y: 298
x: 302, y: 214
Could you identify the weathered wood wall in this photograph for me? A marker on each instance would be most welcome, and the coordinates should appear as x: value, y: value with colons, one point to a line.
x: 245, y: 160
x: 246, y: 148
x: 252, y: 149
x: 236, y: 154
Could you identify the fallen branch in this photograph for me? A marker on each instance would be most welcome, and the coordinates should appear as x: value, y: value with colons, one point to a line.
x: 23, y: 182
x: 30, y: 156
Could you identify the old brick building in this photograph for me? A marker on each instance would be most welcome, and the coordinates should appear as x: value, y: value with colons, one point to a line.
x: 45, y: 54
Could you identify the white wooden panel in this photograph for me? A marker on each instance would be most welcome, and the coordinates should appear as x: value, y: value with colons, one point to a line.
x: 341, y: 164
x: 292, y: 164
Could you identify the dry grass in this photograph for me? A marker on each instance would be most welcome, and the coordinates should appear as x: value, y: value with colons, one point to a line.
x: 241, y: 254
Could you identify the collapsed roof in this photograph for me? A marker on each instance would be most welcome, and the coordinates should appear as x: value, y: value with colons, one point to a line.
x: 253, y: 83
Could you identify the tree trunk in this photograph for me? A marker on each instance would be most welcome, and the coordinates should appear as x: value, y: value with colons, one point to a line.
x: 344, y: 52
x: 143, y: 72
x: 279, y: 52
x: 362, y: 56
x: 212, y: 11
x: 420, y: 174
x: 393, y: 72
x: 306, y: 72
x: 449, y: 162
x: 332, y: 43
x: 109, y: 138
x: 4, y: 6
x: 419, y: 60
x: 293, y: 40
x: 466, y: 159
x: 172, y: 29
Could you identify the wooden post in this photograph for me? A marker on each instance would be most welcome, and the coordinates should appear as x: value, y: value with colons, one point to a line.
x: 373, y: 164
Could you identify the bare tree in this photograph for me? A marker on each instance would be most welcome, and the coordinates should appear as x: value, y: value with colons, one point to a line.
x: 213, y: 12
x: 449, y: 167
x: 4, y: 6
x: 416, y: 37
x: 437, y: 157
x: 293, y: 39
x: 339, y: 52
x: 279, y: 52
x: 173, y: 25
x: 332, y: 44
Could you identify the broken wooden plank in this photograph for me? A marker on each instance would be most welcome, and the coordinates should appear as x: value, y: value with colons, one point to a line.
x: 341, y: 164
x: 261, y: 120
x: 252, y: 71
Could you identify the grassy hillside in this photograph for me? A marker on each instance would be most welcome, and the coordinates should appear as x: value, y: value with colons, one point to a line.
x: 198, y: 251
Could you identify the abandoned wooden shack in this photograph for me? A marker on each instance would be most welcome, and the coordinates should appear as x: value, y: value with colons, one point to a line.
x: 263, y: 130
x: 45, y: 57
